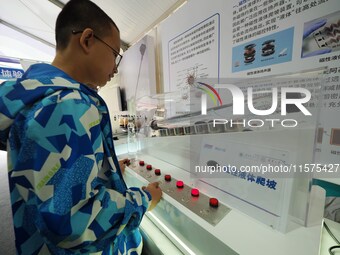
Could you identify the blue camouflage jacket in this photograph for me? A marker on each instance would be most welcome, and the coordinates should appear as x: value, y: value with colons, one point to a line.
x: 67, y: 191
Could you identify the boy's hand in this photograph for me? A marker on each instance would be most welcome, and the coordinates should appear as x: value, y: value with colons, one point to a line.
x: 155, y: 192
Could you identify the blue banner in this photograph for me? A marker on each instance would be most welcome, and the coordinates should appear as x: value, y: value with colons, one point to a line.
x: 10, y: 73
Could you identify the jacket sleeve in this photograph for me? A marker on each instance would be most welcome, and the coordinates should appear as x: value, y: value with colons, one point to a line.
x: 75, y: 205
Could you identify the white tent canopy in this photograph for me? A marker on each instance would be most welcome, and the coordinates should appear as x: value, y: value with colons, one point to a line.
x: 27, y: 26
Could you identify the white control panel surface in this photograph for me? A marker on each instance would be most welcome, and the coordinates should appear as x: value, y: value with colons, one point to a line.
x: 238, y: 231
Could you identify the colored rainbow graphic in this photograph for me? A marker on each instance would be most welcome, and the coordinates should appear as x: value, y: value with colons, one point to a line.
x: 208, y: 89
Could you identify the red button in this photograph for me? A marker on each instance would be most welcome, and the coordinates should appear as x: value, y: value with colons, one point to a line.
x: 141, y: 163
x: 157, y: 172
x: 167, y: 177
x: 149, y: 167
x: 195, y: 192
x: 180, y: 184
x: 213, y: 202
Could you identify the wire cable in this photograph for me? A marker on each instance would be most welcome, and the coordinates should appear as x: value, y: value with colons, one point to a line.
x: 330, y: 250
x: 331, y: 234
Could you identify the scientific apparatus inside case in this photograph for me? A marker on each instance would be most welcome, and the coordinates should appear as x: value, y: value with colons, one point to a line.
x: 321, y: 35
x: 249, y: 164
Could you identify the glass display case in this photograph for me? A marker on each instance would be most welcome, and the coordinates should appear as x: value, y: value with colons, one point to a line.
x: 244, y: 142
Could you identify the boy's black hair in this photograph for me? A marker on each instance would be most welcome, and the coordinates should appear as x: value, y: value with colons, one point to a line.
x: 78, y: 15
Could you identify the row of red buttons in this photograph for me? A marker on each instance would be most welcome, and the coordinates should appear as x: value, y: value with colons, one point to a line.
x: 180, y: 184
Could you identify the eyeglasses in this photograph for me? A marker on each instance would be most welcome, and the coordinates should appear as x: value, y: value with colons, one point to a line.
x: 118, y: 57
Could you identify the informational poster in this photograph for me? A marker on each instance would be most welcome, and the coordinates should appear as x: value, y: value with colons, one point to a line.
x: 194, y: 53
x: 256, y: 38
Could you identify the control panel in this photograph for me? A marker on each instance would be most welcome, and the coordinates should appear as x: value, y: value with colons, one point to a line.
x: 208, y: 208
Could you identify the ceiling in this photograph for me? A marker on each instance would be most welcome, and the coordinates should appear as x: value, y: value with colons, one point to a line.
x: 35, y: 19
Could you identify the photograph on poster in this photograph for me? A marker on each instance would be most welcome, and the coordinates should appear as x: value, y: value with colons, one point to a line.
x: 332, y: 200
x: 321, y: 36
x: 269, y: 50
x: 335, y: 136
